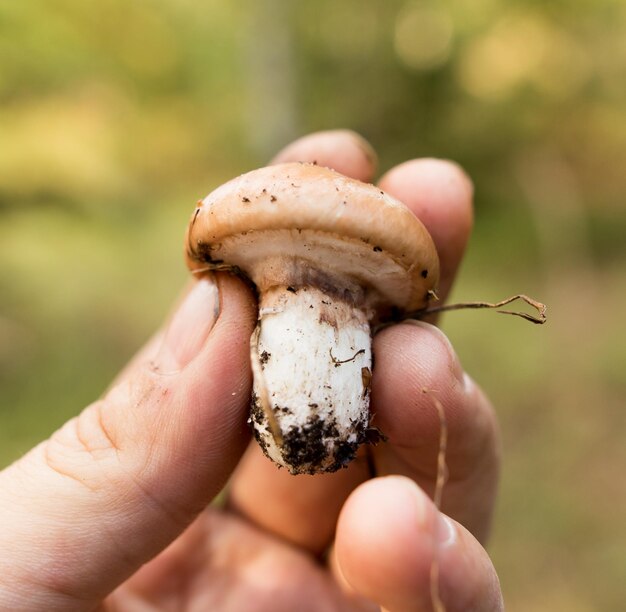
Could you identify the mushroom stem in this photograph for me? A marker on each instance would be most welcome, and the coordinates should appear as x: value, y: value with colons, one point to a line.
x: 312, y: 360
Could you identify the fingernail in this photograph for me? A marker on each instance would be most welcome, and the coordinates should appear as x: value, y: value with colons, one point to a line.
x: 189, y: 327
x: 445, y: 531
x: 419, y: 505
x: 365, y: 147
x: 468, y: 383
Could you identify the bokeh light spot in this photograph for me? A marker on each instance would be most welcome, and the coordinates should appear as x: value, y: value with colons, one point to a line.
x: 423, y: 36
x: 522, y: 48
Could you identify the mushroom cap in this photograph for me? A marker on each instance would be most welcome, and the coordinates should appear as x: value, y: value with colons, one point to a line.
x: 269, y: 222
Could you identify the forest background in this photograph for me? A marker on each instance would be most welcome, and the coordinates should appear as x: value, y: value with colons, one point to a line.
x: 116, y: 117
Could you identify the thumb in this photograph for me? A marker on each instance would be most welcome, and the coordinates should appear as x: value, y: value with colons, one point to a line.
x: 84, y: 509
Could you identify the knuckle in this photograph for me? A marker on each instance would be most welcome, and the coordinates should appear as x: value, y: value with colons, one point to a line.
x: 112, y: 457
x: 85, y: 449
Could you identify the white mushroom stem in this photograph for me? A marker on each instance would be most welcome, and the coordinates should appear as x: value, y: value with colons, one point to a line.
x: 312, y: 360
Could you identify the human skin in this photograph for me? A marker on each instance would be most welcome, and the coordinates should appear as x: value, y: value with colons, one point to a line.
x: 112, y: 512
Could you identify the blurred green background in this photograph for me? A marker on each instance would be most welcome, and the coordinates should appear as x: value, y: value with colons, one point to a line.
x: 115, y: 117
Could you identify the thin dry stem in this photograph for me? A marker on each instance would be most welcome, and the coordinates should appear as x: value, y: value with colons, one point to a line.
x: 442, y: 473
x: 434, y: 587
x: 348, y: 360
x: 442, y: 468
x: 203, y: 270
x: 540, y: 318
x: 216, y: 267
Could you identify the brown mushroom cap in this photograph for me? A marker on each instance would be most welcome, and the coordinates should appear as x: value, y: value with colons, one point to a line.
x: 303, y: 212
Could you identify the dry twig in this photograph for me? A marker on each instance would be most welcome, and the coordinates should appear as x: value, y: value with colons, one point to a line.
x: 540, y: 318
x: 442, y: 473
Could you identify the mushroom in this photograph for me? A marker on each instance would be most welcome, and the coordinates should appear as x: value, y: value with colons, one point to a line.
x: 329, y: 256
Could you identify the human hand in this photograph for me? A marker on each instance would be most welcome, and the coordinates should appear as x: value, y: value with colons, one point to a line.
x: 110, y: 512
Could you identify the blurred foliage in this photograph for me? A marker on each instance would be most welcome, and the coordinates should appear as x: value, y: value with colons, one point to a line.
x: 116, y: 117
